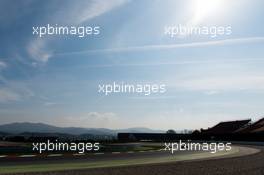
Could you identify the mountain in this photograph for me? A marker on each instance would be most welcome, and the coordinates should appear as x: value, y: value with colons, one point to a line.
x: 16, y: 128
x: 140, y: 130
x: 3, y: 134
x: 27, y: 127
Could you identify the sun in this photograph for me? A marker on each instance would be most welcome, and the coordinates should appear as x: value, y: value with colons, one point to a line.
x: 204, y: 9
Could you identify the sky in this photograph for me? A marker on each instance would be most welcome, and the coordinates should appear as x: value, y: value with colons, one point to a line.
x: 54, y: 79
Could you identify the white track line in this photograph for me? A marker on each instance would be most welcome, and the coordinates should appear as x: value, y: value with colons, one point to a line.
x: 98, y: 153
x: 27, y: 155
x: 54, y: 155
x: 116, y: 152
x: 77, y: 154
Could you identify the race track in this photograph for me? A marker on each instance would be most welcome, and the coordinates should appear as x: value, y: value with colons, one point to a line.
x: 252, y: 164
x: 143, y: 163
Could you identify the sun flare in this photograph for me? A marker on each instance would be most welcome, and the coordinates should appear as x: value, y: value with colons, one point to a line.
x: 207, y: 8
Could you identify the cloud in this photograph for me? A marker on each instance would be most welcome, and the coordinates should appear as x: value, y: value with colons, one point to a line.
x: 82, y: 11
x: 171, y: 46
x: 8, y: 96
x: 211, y: 92
x: 49, y: 104
x: 214, y: 84
x: 2, y: 65
x: 94, y: 119
x: 191, y: 62
x: 12, y: 91
x: 38, y: 51
x: 69, y: 13
x: 101, y: 116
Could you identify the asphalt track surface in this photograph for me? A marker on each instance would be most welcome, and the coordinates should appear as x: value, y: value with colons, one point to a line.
x: 59, y: 158
x: 252, y: 164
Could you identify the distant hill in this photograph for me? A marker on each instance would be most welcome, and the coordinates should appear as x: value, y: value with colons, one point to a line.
x: 16, y: 128
x: 140, y: 130
x: 3, y: 134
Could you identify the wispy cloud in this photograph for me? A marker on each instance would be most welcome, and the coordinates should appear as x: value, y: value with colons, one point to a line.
x: 2, y: 65
x: 192, y: 61
x: 94, y: 119
x: 71, y: 13
x: 12, y: 91
x: 8, y: 95
x: 76, y: 13
x: 217, y: 83
x: 211, y: 92
x: 50, y: 104
x: 38, y: 51
x: 171, y: 46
